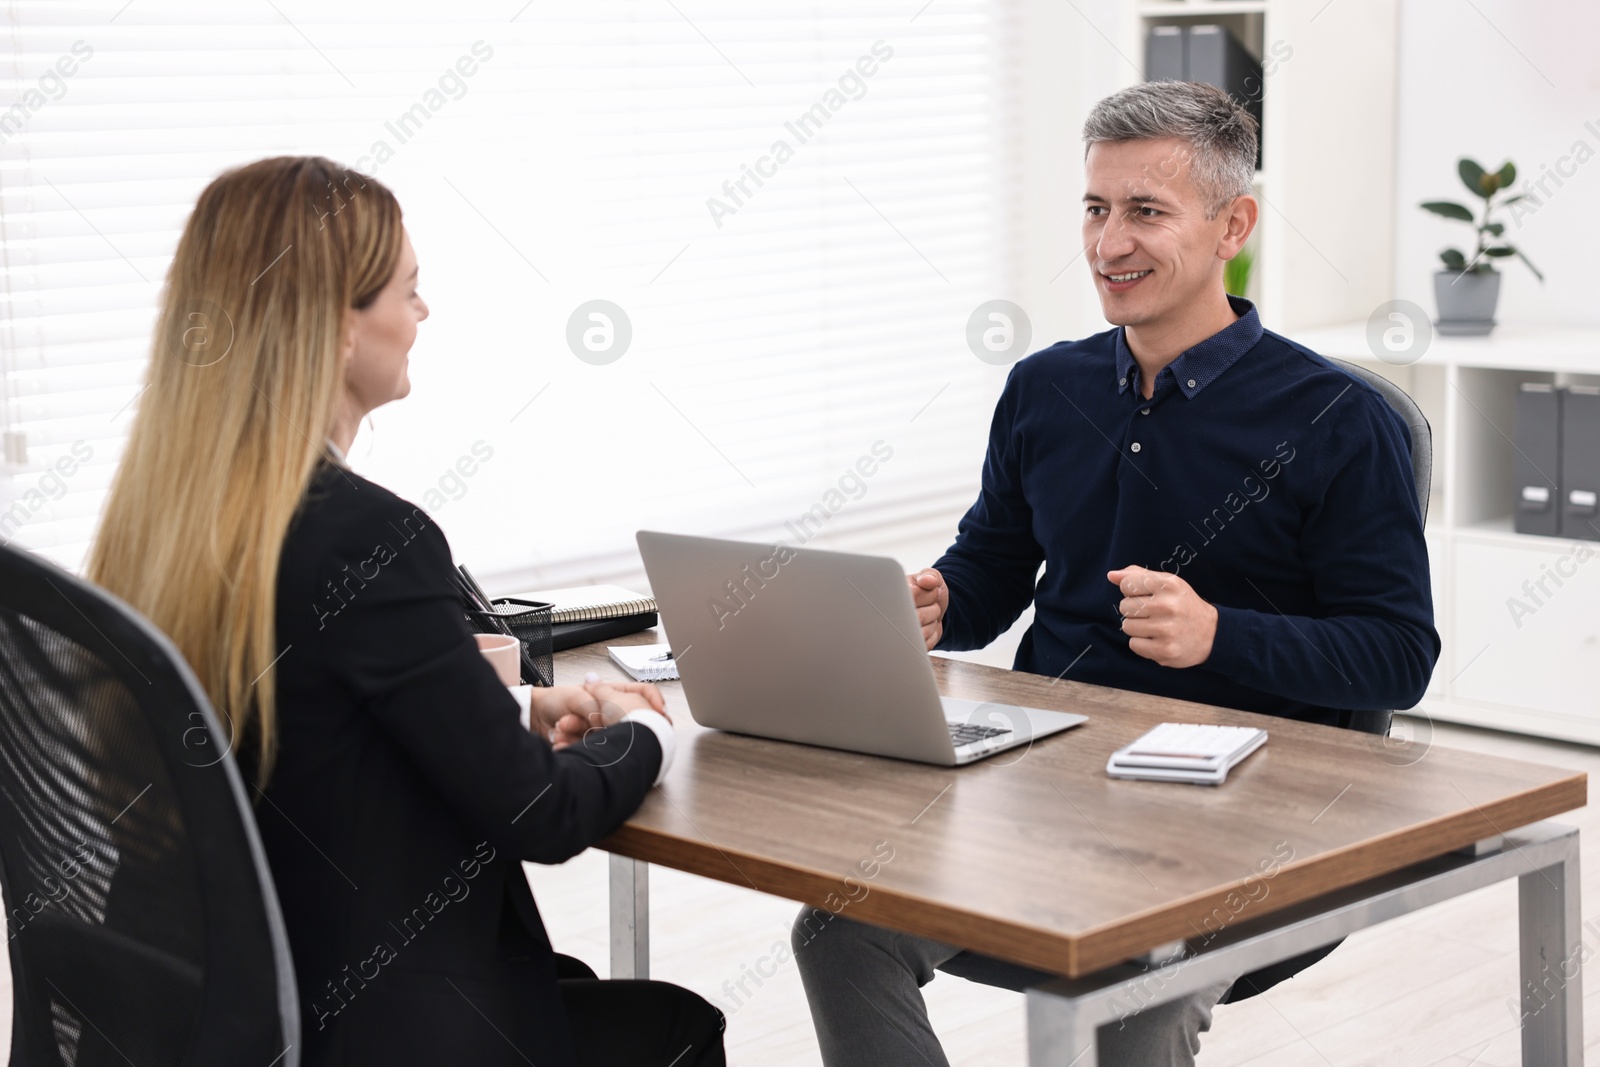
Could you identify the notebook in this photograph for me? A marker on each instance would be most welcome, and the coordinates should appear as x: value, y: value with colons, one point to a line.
x: 645, y: 663
x: 591, y: 603
x: 573, y: 634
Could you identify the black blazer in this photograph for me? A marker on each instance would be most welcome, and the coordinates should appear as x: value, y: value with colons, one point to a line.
x: 405, y: 796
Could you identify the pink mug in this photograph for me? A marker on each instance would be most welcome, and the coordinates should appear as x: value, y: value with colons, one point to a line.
x: 504, y: 654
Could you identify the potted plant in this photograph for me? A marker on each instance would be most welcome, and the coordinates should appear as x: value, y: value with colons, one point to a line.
x: 1467, y: 289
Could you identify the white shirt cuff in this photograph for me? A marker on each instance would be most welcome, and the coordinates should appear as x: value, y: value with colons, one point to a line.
x: 524, y: 698
x: 658, y: 724
x: 662, y: 728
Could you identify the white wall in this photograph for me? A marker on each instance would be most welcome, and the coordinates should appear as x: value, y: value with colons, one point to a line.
x: 1327, y: 194
x: 1497, y: 80
x: 1071, y: 58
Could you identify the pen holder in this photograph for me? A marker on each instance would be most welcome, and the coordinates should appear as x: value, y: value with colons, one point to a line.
x: 529, y: 622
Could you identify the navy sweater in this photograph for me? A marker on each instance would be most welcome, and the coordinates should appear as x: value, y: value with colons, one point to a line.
x: 1274, y: 483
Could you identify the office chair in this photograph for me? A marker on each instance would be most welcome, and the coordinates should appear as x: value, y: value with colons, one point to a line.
x: 1372, y: 722
x: 143, y: 923
x: 1378, y: 722
x: 1416, y: 424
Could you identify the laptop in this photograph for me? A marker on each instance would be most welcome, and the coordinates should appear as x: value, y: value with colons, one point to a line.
x: 821, y: 648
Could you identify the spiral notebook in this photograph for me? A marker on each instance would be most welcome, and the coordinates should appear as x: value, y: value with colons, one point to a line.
x: 592, y: 603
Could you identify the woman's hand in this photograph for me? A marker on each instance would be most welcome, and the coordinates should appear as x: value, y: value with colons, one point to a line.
x: 565, y: 713
x: 617, y: 692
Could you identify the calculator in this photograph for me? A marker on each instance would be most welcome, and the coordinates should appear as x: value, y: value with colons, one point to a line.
x: 1186, y: 752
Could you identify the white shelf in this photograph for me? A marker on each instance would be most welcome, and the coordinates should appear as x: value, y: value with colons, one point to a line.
x: 1512, y: 346
x: 1516, y: 656
x: 1501, y: 531
x: 1188, y: 8
x: 1584, y: 729
x: 1518, y: 614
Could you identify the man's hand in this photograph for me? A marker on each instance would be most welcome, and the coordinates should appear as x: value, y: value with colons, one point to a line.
x: 932, y: 599
x: 565, y: 713
x: 1164, y: 617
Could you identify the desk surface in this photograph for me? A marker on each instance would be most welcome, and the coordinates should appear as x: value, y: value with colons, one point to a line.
x: 1035, y: 855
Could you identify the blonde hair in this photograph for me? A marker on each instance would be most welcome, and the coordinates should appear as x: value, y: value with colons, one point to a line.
x: 244, y: 377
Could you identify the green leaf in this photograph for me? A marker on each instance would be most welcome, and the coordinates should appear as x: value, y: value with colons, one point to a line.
x: 1494, y: 229
x: 1472, y: 176
x: 1449, y: 209
x: 1236, y: 272
x: 1507, y: 174
x: 1453, y: 259
x: 1531, y: 267
x: 1499, y: 251
x: 1512, y: 199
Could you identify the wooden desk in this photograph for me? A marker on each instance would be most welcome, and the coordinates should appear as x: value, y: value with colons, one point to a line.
x: 1038, y: 857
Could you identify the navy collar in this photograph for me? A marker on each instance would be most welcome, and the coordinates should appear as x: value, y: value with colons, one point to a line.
x: 1204, y: 363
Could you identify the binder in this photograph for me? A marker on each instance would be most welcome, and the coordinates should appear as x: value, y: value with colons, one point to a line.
x: 1214, y: 56
x: 1536, y: 508
x: 1206, y: 53
x: 1163, y: 54
x: 1580, y: 462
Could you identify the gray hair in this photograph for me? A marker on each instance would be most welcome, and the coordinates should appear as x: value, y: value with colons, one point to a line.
x: 1221, y: 134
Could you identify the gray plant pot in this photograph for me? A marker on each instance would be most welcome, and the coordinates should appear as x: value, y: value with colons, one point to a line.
x: 1466, y: 302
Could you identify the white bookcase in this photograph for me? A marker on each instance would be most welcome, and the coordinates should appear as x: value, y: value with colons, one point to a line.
x: 1538, y: 671
x: 1327, y: 139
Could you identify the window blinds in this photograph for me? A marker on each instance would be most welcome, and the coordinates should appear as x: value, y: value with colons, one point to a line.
x: 691, y: 265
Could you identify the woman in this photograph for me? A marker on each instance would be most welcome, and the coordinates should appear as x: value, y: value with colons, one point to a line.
x: 396, y: 790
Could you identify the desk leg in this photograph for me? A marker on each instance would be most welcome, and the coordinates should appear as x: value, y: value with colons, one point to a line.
x: 1552, y: 964
x: 1058, y: 1032
x: 630, y: 918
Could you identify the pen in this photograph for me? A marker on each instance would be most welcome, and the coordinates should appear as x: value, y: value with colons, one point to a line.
x: 473, y: 592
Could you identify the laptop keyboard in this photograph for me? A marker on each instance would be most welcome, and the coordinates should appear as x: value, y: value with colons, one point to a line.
x: 965, y: 734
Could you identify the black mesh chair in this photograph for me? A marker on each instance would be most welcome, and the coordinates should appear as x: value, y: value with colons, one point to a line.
x: 142, y: 920
x: 1372, y: 722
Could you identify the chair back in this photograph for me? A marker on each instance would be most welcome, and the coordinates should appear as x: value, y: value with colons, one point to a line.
x: 142, y: 922
x: 1416, y: 424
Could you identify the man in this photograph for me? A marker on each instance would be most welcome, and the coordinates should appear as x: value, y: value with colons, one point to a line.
x: 1223, y: 516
